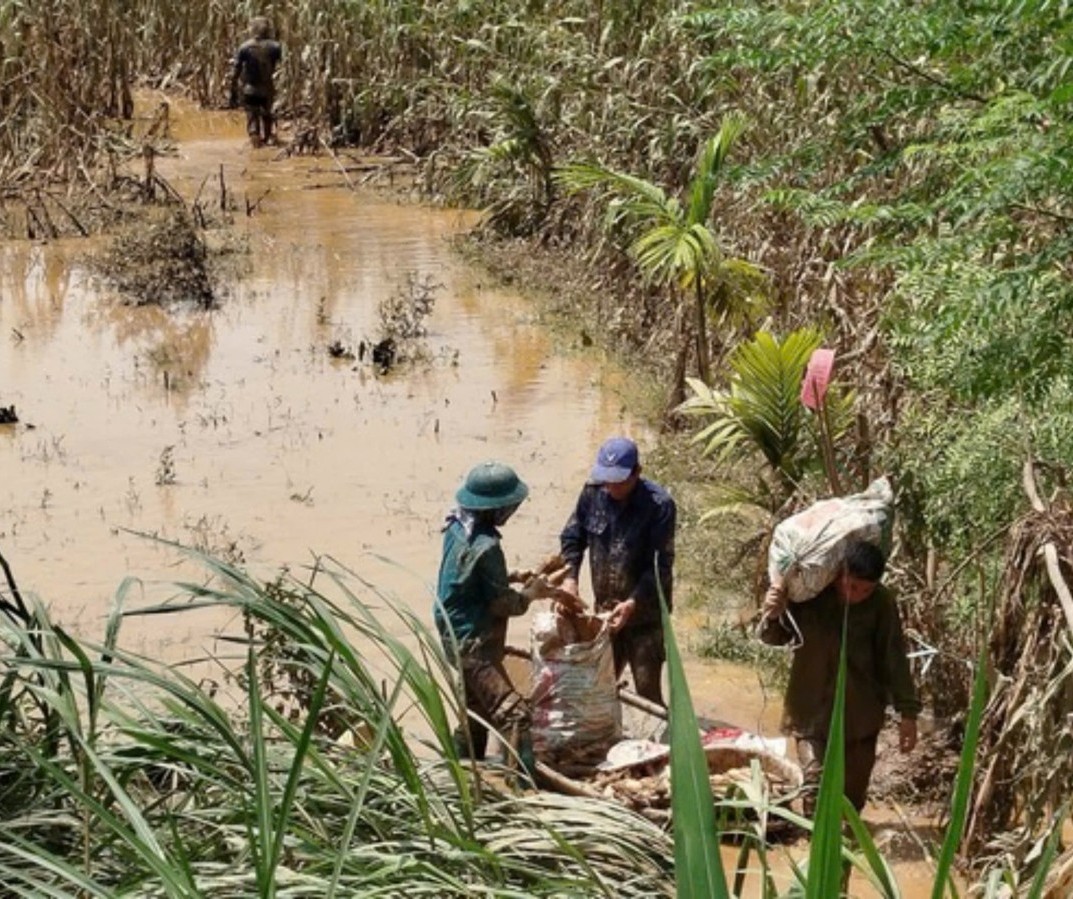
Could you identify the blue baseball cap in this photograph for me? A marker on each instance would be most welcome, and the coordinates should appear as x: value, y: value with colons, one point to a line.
x: 615, y: 461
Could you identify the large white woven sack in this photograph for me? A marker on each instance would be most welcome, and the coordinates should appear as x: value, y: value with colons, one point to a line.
x: 576, y: 710
x: 807, y: 549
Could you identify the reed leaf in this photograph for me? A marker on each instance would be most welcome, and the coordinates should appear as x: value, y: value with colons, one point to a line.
x: 869, y: 861
x: 1047, y: 857
x: 825, y: 870
x: 698, y: 863
x: 959, y: 807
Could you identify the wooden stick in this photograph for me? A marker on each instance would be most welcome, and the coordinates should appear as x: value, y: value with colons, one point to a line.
x: 639, y: 702
x: 551, y: 778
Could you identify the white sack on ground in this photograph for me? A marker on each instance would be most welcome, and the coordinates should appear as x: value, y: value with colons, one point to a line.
x: 576, y: 710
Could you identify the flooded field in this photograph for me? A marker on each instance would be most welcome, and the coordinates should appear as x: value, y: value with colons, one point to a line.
x: 236, y: 432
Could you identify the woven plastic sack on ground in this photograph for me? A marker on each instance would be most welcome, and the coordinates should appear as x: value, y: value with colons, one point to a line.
x: 807, y: 549
x: 576, y: 710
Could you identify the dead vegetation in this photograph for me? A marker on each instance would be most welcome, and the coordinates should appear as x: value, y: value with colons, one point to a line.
x: 163, y: 263
x: 401, y: 327
x: 1025, y: 758
x: 733, y: 773
x: 402, y: 316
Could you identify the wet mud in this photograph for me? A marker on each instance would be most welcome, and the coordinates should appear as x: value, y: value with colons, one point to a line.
x: 235, y: 430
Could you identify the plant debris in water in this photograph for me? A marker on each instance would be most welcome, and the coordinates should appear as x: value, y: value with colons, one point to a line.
x: 401, y: 327
x: 163, y: 263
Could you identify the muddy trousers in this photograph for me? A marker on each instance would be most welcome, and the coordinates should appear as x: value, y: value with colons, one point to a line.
x: 642, y: 649
x: 259, y: 119
x: 860, y: 760
x: 490, y: 696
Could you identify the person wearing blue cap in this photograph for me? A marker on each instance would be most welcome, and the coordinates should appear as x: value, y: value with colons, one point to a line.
x: 626, y: 523
x: 474, y: 603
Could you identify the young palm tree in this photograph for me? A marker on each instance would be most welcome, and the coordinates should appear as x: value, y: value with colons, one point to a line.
x: 673, y: 241
x: 522, y: 146
x: 761, y: 411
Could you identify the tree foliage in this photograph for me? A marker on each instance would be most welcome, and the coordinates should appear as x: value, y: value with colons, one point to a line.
x: 673, y: 240
x: 936, y: 142
x: 760, y: 411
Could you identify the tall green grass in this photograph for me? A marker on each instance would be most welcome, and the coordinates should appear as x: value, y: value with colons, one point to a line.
x: 698, y: 864
x: 120, y: 777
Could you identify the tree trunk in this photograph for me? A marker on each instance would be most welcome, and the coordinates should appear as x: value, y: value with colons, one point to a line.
x: 678, y: 385
x: 704, y: 366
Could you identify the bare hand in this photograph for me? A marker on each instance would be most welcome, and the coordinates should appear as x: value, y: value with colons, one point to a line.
x: 569, y: 585
x: 621, y: 615
x: 775, y: 602
x: 537, y: 588
x: 520, y: 576
x: 907, y: 735
x: 550, y: 564
x: 567, y: 603
x: 559, y: 575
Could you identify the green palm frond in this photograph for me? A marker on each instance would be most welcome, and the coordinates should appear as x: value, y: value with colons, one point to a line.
x: 579, y: 176
x: 671, y: 252
x: 741, y: 292
x: 672, y: 240
x: 712, y: 159
x: 762, y: 409
x: 516, y: 109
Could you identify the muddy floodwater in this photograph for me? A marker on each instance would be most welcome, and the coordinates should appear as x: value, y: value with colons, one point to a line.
x: 236, y: 432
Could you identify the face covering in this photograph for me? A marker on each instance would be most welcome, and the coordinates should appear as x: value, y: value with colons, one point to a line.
x: 501, y: 516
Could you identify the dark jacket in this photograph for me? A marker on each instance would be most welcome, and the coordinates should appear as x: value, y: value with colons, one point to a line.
x: 877, y: 668
x: 474, y: 598
x: 626, y: 543
x: 255, y: 66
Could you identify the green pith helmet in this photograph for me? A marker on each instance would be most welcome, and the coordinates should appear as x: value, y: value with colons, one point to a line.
x: 491, y: 485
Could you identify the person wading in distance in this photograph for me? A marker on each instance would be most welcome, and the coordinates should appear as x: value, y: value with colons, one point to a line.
x: 253, y: 79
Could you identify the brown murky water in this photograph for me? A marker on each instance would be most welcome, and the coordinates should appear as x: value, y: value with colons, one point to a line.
x: 277, y: 451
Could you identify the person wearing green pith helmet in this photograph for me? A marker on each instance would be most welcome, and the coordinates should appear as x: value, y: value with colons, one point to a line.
x: 474, y: 603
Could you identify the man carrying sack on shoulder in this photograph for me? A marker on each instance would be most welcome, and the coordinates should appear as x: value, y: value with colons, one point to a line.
x: 877, y: 668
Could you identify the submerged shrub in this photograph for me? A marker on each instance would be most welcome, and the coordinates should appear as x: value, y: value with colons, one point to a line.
x: 161, y: 263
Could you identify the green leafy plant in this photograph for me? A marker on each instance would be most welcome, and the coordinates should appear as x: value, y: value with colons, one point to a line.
x: 834, y: 851
x: 139, y: 780
x: 761, y: 411
x: 698, y: 865
x: 673, y: 241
